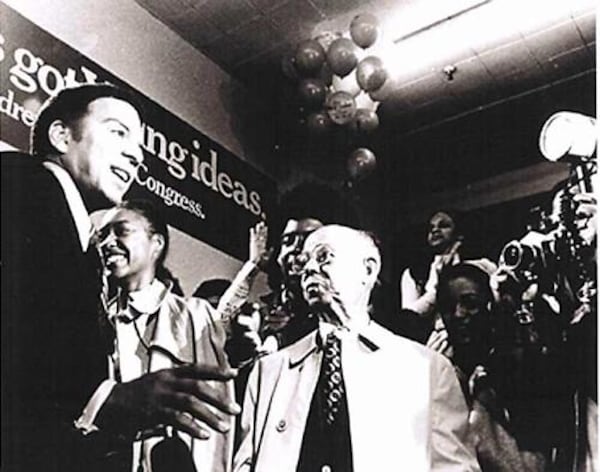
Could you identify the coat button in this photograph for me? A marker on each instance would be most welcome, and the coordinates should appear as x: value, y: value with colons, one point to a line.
x: 281, y: 426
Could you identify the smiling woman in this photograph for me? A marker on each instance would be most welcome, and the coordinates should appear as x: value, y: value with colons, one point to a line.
x: 156, y: 328
x: 134, y: 241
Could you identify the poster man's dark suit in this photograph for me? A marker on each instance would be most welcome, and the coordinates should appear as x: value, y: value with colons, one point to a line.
x: 53, y: 353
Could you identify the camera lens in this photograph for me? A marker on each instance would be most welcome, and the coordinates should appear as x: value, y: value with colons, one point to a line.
x: 512, y: 254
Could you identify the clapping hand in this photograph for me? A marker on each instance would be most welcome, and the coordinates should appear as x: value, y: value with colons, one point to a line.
x: 438, y: 340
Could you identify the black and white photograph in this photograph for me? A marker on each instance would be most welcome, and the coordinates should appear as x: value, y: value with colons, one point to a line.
x: 298, y: 236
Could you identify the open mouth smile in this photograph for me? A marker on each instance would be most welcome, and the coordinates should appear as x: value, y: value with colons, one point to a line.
x: 113, y: 257
x: 121, y: 173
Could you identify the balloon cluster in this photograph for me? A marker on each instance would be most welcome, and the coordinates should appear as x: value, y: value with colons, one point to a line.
x: 336, y: 80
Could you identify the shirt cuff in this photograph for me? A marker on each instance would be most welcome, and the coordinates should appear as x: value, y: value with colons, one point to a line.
x: 85, y: 423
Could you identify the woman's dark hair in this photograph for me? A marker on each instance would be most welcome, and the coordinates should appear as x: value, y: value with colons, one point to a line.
x: 456, y: 216
x: 467, y: 271
x: 420, y: 265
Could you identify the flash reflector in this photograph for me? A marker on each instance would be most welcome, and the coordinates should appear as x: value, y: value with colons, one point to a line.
x: 568, y: 134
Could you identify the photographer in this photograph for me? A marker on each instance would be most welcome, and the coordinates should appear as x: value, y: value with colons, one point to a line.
x: 547, y: 284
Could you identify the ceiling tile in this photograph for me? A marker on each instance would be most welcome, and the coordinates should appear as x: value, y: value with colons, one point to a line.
x: 581, y: 7
x: 558, y: 46
x: 331, y: 8
x: 520, y: 82
x: 536, y: 15
x: 224, y: 52
x: 481, y: 30
x: 196, y: 29
x: 586, y: 24
x: 164, y: 10
x: 425, y: 91
x: 508, y: 60
x: 227, y: 14
x: 257, y: 36
x: 570, y: 62
x: 296, y: 18
x: 447, y: 45
x: 267, y: 5
x: 472, y: 83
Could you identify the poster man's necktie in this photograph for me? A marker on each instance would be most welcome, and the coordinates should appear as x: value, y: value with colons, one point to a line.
x: 334, y: 383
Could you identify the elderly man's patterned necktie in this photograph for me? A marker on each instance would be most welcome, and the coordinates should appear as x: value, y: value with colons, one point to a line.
x: 334, y: 383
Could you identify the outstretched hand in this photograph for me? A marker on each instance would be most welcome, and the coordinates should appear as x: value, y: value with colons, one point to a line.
x: 180, y: 397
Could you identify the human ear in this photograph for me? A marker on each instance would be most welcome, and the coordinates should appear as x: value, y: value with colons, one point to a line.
x: 159, y: 244
x: 59, y: 136
x: 372, y: 266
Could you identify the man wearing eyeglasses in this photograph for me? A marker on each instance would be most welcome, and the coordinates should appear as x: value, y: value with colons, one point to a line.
x: 351, y: 396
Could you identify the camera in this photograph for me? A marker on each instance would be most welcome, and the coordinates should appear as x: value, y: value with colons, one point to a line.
x: 518, y: 257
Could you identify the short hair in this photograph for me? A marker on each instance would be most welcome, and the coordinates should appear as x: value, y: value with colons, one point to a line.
x: 70, y: 105
x: 366, y: 238
x: 468, y: 271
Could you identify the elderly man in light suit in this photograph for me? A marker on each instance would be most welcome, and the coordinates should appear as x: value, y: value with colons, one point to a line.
x: 399, y: 405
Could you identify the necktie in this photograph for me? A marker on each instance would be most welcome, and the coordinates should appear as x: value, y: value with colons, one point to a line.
x: 334, y: 383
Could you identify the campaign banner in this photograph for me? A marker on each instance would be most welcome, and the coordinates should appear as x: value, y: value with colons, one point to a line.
x: 207, y: 191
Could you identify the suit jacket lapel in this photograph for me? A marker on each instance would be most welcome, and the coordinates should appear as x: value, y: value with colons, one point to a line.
x: 292, y: 381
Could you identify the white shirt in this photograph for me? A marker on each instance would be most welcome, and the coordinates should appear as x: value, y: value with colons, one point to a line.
x: 79, y: 212
x: 135, y: 323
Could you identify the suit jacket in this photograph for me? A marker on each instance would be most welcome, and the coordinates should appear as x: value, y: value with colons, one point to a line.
x: 405, y: 406
x: 53, y: 356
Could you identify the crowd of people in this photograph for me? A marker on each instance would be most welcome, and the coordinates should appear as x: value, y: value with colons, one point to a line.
x: 108, y: 366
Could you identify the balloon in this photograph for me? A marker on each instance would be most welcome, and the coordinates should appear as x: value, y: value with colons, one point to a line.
x: 364, y: 100
x: 341, y: 56
x: 381, y: 94
x: 325, y: 74
x: 361, y: 162
x: 310, y: 56
x: 318, y: 122
x: 363, y: 30
x: 312, y: 91
x: 326, y: 38
x: 340, y: 107
x: 288, y: 66
x: 346, y: 84
x: 365, y: 120
x: 370, y: 73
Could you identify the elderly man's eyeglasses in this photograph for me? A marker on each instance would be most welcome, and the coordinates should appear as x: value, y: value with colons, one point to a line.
x: 321, y: 254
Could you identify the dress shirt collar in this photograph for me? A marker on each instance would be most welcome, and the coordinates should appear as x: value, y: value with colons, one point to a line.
x: 371, y: 336
x: 147, y: 300
x: 79, y: 212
